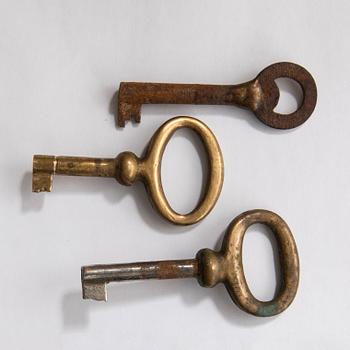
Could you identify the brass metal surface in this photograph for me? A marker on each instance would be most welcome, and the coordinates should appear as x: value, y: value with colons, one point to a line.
x: 213, y: 267
x: 127, y: 168
x: 260, y: 95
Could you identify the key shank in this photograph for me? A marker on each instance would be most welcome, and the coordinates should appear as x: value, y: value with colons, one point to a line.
x: 133, y: 95
x: 94, y: 278
x: 44, y: 167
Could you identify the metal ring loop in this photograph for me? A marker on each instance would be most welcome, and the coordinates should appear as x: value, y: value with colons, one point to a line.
x: 270, y: 91
x: 235, y: 281
x: 150, y: 170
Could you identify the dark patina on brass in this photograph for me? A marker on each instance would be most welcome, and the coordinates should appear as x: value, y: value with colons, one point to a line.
x: 127, y: 168
x: 213, y: 267
x: 259, y: 95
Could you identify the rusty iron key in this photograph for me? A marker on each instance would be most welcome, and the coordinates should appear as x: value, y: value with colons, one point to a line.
x: 260, y: 95
x: 213, y: 267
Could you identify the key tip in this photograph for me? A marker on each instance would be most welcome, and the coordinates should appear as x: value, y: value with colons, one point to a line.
x: 94, y: 291
x: 42, y: 182
x: 43, y: 170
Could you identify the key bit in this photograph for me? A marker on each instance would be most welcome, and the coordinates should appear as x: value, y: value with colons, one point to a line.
x: 127, y: 168
x: 260, y: 95
x: 212, y: 267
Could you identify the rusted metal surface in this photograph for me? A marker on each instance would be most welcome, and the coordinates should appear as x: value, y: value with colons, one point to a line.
x: 95, y: 277
x: 127, y: 168
x: 260, y: 95
x: 213, y: 267
x: 140, y: 271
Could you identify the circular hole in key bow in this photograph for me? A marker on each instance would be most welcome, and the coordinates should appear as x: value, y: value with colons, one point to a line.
x: 261, y: 262
x: 291, y: 96
x: 184, y: 171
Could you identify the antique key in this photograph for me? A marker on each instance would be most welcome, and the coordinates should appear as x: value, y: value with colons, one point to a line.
x: 126, y: 168
x: 211, y: 267
x: 260, y: 95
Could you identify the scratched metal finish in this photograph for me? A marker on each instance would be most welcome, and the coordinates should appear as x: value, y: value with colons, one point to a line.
x: 141, y: 270
x: 213, y: 267
x: 259, y: 95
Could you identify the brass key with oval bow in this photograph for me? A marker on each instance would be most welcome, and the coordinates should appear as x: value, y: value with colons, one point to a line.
x: 127, y: 168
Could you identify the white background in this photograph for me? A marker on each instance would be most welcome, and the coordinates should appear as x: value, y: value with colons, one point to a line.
x: 60, y: 65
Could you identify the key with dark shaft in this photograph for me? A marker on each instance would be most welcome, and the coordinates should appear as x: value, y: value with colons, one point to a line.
x: 212, y: 267
x: 259, y: 95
